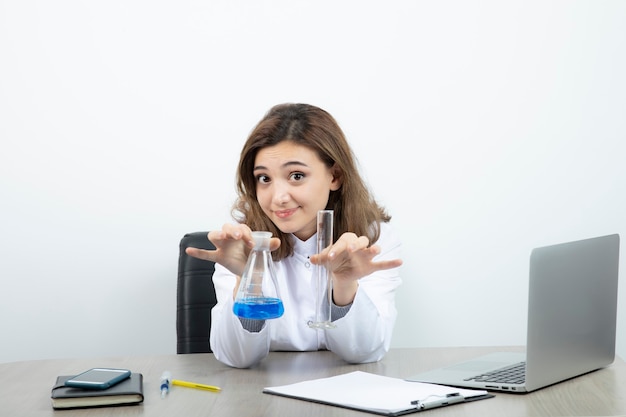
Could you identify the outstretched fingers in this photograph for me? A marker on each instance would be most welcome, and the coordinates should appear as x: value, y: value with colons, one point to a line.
x: 204, y: 254
x: 387, y: 264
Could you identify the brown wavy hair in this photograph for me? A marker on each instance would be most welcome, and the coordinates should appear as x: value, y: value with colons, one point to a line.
x: 355, y: 209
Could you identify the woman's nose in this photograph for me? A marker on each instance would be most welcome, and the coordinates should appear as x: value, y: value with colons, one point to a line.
x: 281, y: 194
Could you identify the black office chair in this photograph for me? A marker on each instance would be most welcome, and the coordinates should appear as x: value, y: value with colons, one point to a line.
x: 195, y: 296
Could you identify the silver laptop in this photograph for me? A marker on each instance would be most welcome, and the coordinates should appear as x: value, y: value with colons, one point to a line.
x: 572, y: 314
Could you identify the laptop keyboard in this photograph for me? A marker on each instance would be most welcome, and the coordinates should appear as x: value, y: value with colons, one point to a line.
x: 514, y: 374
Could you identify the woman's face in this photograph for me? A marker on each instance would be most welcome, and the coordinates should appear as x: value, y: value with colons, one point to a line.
x: 292, y: 185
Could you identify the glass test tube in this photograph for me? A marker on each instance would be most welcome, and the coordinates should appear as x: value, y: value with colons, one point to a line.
x: 324, y: 287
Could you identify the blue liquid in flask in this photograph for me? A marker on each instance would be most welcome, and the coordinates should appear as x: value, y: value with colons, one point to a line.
x: 259, y: 308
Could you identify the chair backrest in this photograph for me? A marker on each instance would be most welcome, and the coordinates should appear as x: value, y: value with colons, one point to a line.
x: 195, y: 296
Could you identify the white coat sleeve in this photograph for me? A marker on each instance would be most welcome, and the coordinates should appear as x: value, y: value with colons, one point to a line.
x: 364, y: 333
x: 230, y: 342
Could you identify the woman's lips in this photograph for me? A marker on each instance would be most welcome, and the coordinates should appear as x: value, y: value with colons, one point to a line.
x: 283, y: 214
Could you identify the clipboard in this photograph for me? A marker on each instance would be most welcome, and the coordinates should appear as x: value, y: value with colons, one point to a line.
x: 377, y: 394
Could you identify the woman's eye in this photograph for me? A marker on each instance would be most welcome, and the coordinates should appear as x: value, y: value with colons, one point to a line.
x: 297, y: 176
x: 263, y: 179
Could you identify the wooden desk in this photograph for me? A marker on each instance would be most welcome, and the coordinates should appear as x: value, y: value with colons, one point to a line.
x: 25, y: 389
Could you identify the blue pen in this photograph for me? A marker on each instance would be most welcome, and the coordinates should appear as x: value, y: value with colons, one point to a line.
x: 166, y: 378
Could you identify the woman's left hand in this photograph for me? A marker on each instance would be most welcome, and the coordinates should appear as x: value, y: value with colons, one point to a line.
x: 348, y: 260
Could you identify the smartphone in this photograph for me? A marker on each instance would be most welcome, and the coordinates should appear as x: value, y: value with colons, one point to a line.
x: 98, y: 378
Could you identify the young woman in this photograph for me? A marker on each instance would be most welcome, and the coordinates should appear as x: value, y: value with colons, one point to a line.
x: 296, y: 162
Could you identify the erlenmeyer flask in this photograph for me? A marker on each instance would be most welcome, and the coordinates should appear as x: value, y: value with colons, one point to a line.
x: 258, y: 297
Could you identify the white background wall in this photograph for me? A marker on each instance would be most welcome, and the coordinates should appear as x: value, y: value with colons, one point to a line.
x: 486, y: 128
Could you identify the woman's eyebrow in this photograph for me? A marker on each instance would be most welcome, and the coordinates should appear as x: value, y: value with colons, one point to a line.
x: 285, y: 165
x: 296, y: 163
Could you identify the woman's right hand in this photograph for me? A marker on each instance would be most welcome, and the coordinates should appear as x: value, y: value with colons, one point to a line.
x: 233, y: 244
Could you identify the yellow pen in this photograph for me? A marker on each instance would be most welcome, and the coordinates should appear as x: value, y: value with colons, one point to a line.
x: 195, y: 385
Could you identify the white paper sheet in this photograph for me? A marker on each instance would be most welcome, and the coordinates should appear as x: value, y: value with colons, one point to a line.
x: 371, y: 392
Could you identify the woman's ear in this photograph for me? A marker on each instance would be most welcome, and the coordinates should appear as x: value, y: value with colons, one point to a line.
x: 337, y: 178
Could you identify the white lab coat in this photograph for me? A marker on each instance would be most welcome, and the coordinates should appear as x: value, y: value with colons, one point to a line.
x: 362, y: 335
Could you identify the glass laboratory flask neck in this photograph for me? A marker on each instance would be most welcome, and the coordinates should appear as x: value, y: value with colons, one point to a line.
x: 258, y: 297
